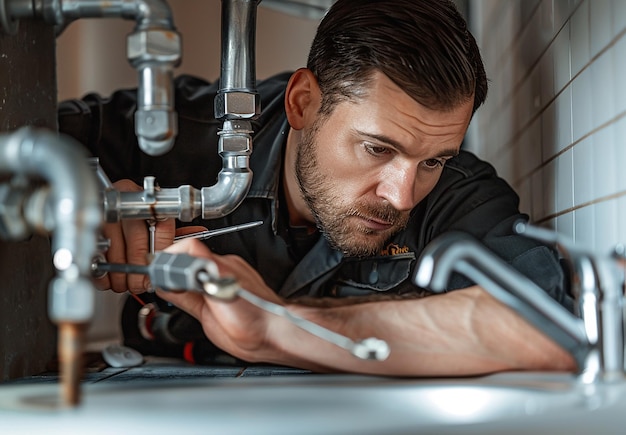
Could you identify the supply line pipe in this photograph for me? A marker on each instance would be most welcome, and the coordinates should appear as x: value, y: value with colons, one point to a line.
x: 184, y: 202
x: 153, y: 49
x: 237, y: 103
x: 72, y: 198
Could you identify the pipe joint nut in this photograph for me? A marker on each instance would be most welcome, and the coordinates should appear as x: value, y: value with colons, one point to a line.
x: 237, y: 105
x: 71, y: 299
x: 154, y: 45
x: 189, y: 203
x: 13, y: 226
x: 111, y: 200
x: 235, y: 143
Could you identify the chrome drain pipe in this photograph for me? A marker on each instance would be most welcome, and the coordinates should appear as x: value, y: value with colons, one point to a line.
x: 153, y: 49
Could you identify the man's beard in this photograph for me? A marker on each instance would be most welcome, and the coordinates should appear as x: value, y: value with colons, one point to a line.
x: 333, y: 215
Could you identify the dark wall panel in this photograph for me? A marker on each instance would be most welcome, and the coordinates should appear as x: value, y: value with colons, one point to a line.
x: 27, y: 97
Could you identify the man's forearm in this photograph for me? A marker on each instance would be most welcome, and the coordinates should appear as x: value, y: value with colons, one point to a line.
x: 329, y: 302
x: 465, y: 332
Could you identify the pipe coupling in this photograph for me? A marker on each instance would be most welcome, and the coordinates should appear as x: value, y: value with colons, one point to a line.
x: 154, y: 45
x: 237, y: 105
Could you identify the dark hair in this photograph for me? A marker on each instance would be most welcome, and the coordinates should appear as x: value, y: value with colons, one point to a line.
x: 423, y: 46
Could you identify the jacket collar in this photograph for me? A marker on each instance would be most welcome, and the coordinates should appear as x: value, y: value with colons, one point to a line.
x: 266, y: 164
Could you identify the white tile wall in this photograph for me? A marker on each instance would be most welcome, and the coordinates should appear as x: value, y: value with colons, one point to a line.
x: 558, y: 93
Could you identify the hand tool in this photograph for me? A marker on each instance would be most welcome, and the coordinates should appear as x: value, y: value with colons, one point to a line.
x: 182, y: 272
x: 203, y: 235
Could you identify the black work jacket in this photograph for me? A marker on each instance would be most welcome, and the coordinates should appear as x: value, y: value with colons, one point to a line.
x: 469, y: 197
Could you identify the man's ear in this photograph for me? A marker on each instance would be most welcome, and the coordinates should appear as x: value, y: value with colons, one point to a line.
x: 302, y: 99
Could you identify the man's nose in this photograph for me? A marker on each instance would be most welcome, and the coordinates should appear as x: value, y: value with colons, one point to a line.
x: 398, y: 187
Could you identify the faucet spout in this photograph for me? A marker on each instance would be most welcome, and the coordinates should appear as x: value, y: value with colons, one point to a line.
x: 459, y: 252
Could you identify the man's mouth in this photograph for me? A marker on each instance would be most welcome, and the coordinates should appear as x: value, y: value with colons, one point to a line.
x: 374, y: 224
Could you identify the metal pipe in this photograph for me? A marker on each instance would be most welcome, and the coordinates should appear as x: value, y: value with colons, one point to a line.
x: 236, y: 103
x: 184, y: 202
x: 153, y: 49
x: 74, y: 193
x: 238, y: 40
x: 237, y: 97
x: 77, y: 217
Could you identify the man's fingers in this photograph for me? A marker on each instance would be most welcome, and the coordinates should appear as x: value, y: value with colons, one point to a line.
x: 190, y: 302
x: 115, y: 254
x: 183, y: 231
x: 136, y: 238
x: 192, y: 247
x: 165, y: 230
x: 228, y: 266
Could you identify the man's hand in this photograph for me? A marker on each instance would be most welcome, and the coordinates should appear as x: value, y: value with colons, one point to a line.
x: 130, y: 244
x: 443, y: 335
x: 237, y: 326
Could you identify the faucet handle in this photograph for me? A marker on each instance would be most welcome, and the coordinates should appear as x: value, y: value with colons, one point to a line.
x: 461, y: 253
x: 565, y: 245
x: 589, y: 269
x: 598, y: 286
x: 584, y: 277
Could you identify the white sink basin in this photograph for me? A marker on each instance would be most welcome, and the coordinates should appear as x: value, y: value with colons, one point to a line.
x: 328, y: 404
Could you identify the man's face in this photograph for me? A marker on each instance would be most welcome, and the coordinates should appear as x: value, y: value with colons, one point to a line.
x: 364, y: 168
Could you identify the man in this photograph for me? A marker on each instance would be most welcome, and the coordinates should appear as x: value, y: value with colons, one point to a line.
x: 357, y: 166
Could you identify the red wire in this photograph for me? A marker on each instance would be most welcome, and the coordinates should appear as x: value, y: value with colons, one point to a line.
x: 138, y: 299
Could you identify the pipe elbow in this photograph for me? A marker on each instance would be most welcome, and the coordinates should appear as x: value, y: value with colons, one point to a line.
x: 227, y: 194
x: 76, y: 210
x: 73, y: 196
x: 149, y: 13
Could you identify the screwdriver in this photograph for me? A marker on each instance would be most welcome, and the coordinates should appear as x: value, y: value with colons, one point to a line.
x: 202, y: 235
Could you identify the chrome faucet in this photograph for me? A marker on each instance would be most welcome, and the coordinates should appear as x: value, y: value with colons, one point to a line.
x: 594, y: 336
x: 597, y: 283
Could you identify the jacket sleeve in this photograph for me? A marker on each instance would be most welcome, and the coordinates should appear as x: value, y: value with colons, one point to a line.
x: 106, y: 127
x: 472, y: 198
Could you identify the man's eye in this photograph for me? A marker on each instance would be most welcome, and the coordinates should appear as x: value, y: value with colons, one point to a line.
x: 376, y: 150
x: 433, y: 163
